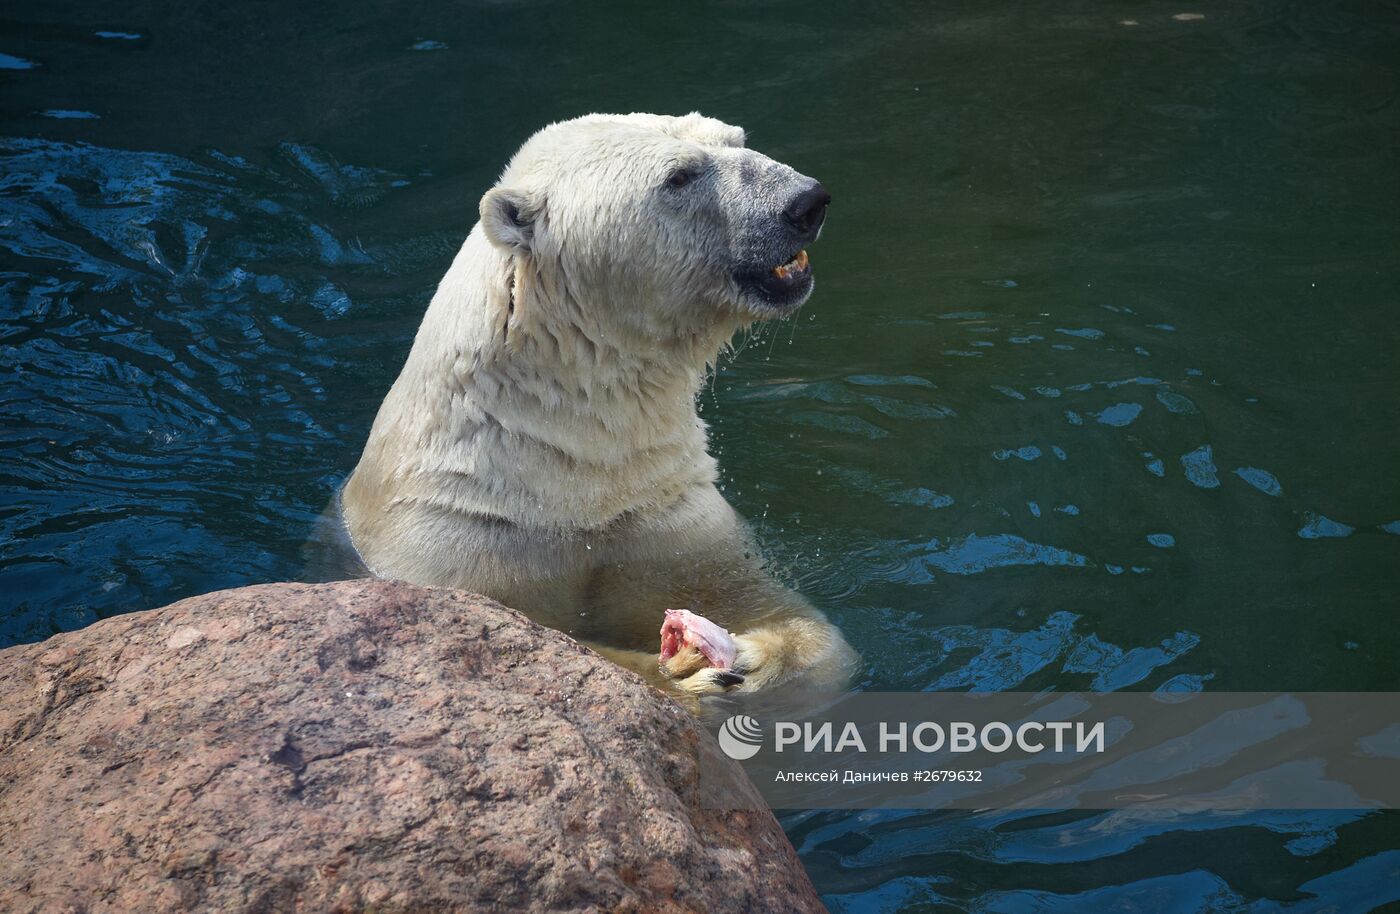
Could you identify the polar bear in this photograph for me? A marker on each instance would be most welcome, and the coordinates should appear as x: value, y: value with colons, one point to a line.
x: 542, y: 446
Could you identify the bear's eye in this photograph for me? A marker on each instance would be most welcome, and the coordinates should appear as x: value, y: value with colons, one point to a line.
x: 680, y: 177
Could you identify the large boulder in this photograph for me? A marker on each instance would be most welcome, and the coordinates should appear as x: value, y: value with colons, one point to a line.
x: 361, y: 746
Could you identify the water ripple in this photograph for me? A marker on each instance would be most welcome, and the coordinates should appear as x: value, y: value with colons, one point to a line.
x: 165, y: 345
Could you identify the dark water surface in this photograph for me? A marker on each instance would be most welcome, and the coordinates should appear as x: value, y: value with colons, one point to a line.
x: 1099, y: 388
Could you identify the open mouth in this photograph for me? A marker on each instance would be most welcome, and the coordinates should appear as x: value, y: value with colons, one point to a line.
x: 795, y: 268
x: 783, y: 287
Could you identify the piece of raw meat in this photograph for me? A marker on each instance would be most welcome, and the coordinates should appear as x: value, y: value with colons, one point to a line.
x: 684, y: 628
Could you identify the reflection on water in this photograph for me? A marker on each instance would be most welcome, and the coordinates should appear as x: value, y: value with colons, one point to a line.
x: 1097, y: 391
x: 1023, y: 850
x: 168, y: 431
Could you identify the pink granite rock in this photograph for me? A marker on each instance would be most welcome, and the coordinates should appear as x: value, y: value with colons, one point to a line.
x: 360, y: 746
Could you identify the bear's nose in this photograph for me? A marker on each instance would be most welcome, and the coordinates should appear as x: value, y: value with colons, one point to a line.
x: 807, y: 210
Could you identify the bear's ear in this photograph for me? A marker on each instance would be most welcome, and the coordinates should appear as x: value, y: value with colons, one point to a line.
x: 508, y: 218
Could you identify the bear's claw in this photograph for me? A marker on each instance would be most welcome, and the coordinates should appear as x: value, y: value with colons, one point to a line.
x: 709, y: 682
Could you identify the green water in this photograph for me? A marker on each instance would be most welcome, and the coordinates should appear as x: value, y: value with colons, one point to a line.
x: 1098, y: 387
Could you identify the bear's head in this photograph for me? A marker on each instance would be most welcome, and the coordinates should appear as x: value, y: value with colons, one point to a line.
x: 660, y: 224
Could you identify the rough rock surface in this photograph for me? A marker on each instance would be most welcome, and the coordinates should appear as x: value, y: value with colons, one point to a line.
x: 360, y: 746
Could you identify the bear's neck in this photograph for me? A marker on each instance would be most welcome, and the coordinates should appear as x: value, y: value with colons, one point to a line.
x: 516, y: 402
